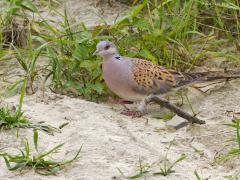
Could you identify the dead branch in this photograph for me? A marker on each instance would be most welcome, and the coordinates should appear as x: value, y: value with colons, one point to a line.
x: 174, y: 108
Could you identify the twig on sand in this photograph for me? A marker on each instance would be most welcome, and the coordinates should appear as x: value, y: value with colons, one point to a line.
x: 174, y: 108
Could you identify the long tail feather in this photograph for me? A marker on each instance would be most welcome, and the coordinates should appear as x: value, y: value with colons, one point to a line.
x: 189, y: 78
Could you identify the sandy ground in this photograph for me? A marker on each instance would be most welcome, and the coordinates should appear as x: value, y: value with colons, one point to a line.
x: 86, y: 11
x: 112, y: 141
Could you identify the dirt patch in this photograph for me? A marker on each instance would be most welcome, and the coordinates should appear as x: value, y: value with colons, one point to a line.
x: 111, y: 141
x: 87, y: 12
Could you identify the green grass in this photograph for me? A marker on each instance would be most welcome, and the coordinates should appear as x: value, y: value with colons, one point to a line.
x: 10, y: 119
x: 177, y: 34
x: 166, y: 167
x: 41, y: 163
x: 232, y: 177
x: 235, y: 151
x: 143, y: 170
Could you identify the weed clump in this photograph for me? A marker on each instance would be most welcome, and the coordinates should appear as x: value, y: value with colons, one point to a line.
x: 10, y: 119
x: 40, y: 163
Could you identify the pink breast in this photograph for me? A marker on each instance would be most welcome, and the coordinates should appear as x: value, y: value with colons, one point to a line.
x: 117, y: 77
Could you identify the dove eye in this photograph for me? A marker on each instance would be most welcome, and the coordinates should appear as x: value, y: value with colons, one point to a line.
x: 107, y: 47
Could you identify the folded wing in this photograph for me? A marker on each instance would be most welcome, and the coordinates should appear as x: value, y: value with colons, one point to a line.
x: 154, y: 79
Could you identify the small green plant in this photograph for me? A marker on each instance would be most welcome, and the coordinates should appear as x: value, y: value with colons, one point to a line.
x: 14, y: 119
x: 235, y: 151
x: 143, y: 170
x: 41, y: 163
x: 234, y: 177
x: 166, y: 167
x: 10, y: 120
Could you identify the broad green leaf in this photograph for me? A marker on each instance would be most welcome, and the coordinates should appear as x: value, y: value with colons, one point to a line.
x: 29, y: 5
x: 137, y: 9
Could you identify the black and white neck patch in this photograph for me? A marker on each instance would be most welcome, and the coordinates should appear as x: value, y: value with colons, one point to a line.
x: 118, y: 57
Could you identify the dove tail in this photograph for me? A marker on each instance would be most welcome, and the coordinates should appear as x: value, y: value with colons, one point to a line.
x: 189, y: 78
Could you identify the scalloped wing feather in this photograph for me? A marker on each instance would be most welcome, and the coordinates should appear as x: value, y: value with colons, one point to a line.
x: 154, y: 79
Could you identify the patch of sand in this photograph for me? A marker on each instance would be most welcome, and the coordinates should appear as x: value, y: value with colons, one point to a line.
x: 111, y: 141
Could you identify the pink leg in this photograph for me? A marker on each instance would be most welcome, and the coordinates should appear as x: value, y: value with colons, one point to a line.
x: 120, y: 101
x: 127, y: 111
x: 133, y: 114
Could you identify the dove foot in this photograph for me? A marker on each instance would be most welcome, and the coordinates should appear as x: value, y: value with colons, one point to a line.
x: 133, y: 114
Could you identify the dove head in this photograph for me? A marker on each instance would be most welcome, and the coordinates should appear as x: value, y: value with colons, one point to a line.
x: 106, y: 49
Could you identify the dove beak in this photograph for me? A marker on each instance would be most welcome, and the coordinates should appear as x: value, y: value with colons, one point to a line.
x: 95, y: 53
